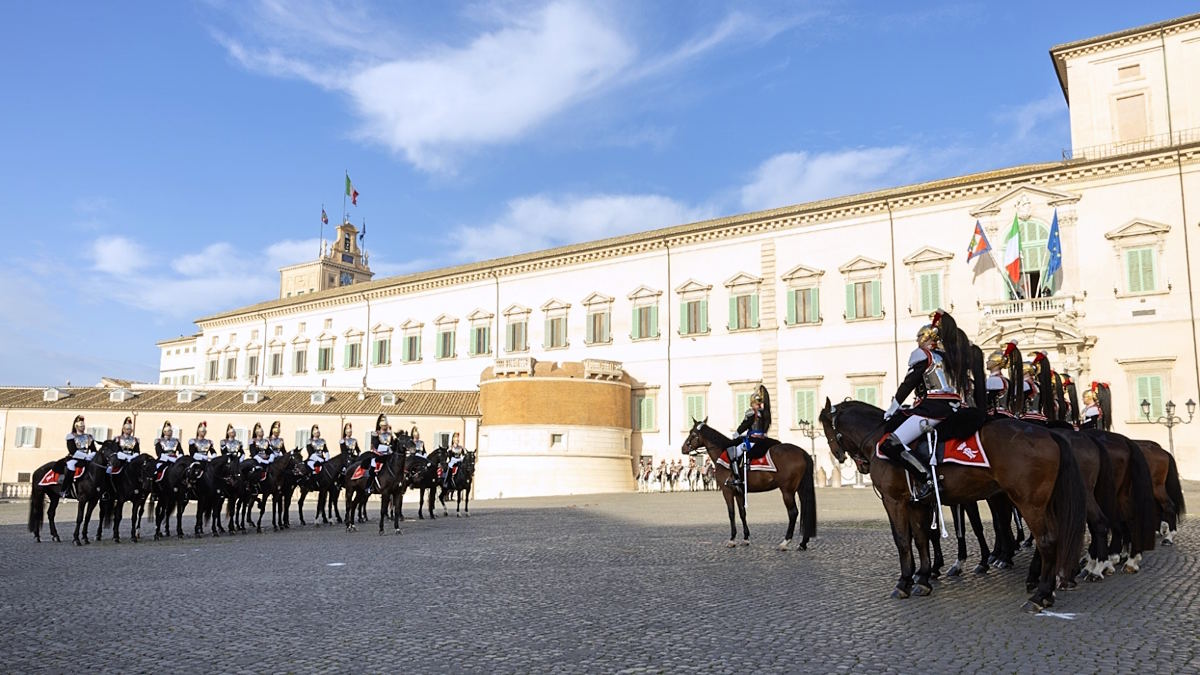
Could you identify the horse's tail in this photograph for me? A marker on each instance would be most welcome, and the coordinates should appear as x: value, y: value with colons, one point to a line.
x: 106, y: 514
x: 1106, y: 489
x: 1146, y: 512
x: 37, y: 507
x: 808, y: 499
x: 1174, y: 489
x: 1067, y: 510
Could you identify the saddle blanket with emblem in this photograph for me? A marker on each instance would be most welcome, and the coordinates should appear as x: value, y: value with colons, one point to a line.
x: 764, y: 463
x: 966, y: 451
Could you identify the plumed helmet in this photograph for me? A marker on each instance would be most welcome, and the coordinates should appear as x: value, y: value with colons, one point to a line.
x: 275, y: 426
x: 380, y: 421
x: 203, y: 426
x: 1030, y: 371
x: 1089, y: 396
x: 127, y: 423
x: 935, y: 317
x: 996, y: 359
x: 926, y: 333
x: 166, y: 427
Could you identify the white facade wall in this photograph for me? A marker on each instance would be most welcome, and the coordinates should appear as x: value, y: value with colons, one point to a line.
x: 521, y: 461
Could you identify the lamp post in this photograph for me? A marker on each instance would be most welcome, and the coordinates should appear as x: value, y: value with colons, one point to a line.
x: 809, y: 430
x: 1170, y: 419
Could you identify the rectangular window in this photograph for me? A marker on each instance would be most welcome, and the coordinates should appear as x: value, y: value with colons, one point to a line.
x: 697, y: 407
x: 276, y: 364
x: 231, y: 368
x: 1139, y: 270
x: 931, y: 291
x: 741, y: 403
x: 556, y: 332
x: 381, y: 351
x: 27, y: 437
x: 214, y: 366
x: 325, y: 358
x: 743, y: 311
x: 1149, y: 388
x: 252, y: 367
x: 300, y: 361
x: 166, y: 380
x: 867, y: 394
x: 803, y: 306
x: 863, y: 300
x: 1131, y: 118
x: 598, y: 327
x: 556, y: 441
x: 693, y: 317
x: 443, y: 439
x: 412, y: 348
x: 645, y: 322
x: 516, y: 338
x: 445, y: 344
x: 98, y: 433
x: 643, y: 413
x: 352, y: 357
x: 481, y: 340
x: 302, y: 436
x: 1129, y: 72
x: 242, y: 435
x: 806, y: 405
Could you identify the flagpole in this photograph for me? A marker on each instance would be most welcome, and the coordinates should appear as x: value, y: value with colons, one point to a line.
x: 1008, y: 283
x: 321, y: 241
x: 345, y: 215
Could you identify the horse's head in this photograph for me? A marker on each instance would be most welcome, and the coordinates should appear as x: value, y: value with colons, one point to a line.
x: 833, y: 420
x: 695, y: 440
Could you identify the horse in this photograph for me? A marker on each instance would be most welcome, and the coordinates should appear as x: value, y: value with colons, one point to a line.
x: 460, y: 482
x: 210, y: 483
x: 1164, y: 476
x: 422, y: 473
x: 693, y: 478
x: 245, y: 483
x: 278, y: 486
x: 327, y: 484
x: 171, y: 494
x: 1136, y: 518
x: 710, y: 477
x: 793, y: 476
x: 38, y: 494
x: 1033, y: 467
x: 389, y: 477
x: 128, y: 481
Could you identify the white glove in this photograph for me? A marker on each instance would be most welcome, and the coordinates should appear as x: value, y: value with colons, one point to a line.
x: 892, y: 409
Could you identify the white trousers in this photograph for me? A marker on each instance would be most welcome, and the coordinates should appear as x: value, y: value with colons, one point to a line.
x: 913, y: 428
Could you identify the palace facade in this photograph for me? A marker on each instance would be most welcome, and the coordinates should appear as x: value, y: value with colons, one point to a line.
x: 814, y: 300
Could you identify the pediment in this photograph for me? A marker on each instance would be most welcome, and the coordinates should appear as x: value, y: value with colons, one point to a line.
x: 800, y: 272
x: 516, y: 309
x: 411, y: 324
x: 742, y: 279
x: 300, y: 340
x: 326, y: 335
x: 644, y: 293
x: 1033, y: 193
x: 927, y: 254
x: 597, y: 298
x: 693, y: 286
x: 1138, y: 228
x: 555, y: 304
x: 381, y: 327
x: 862, y: 264
x: 480, y: 315
x: 276, y: 342
x: 352, y: 333
x: 444, y: 319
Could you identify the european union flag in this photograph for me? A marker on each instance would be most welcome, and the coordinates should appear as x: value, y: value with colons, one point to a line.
x: 1054, y: 246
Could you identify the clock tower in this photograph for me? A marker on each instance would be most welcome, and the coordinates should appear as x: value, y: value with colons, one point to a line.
x: 341, y: 263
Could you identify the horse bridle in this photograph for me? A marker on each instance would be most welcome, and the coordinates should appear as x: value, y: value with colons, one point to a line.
x: 864, y: 465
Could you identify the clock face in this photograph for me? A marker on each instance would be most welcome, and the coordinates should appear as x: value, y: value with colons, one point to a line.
x: 346, y: 279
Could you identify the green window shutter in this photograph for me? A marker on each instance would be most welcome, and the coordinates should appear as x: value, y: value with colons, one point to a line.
x: 648, y: 414
x: 606, y: 326
x: 417, y: 356
x: 695, y: 407
x: 437, y: 348
x: 1146, y: 267
x: 754, y: 311
x: 589, y: 329
x: 346, y: 356
x: 453, y: 344
x: 805, y: 403
x: 850, y: 313
x: 813, y: 312
x: 1149, y: 388
x: 683, y: 318
x: 791, y: 307
x: 653, y: 332
x: 741, y: 403
x: 733, y: 316
x: 703, y: 316
x: 404, y: 355
x: 876, y: 308
x: 636, y: 329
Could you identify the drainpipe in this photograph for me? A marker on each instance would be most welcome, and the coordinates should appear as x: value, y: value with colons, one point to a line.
x: 1187, y: 249
x: 367, y: 361
x: 670, y: 367
x: 262, y: 365
x: 496, y: 316
x: 895, y: 301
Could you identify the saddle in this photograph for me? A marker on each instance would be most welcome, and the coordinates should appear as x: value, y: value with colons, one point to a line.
x: 764, y: 463
x: 359, y: 472
x: 160, y: 474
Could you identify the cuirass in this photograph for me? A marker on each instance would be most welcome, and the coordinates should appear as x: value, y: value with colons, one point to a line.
x: 169, y: 445
x: 385, y: 438
x: 351, y: 444
x: 935, y: 378
x: 275, y: 443
x: 82, y: 441
x: 318, y: 444
x: 203, y: 445
x: 231, y: 446
x: 127, y: 442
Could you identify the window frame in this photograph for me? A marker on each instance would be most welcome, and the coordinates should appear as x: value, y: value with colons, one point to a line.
x: 645, y: 298
x: 640, y: 401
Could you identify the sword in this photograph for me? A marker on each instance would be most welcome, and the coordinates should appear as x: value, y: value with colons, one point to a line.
x: 931, y: 439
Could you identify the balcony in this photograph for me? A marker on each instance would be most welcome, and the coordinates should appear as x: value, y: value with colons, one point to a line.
x: 1053, y: 324
x: 1184, y: 137
x: 1032, y: 307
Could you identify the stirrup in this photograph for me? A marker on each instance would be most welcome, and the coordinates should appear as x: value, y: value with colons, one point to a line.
x: 923, y: 491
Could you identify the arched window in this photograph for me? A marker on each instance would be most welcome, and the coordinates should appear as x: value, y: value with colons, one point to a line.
x: 1034, y: 255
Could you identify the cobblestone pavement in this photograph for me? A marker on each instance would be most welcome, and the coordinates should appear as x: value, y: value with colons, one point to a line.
x: 613, y: 583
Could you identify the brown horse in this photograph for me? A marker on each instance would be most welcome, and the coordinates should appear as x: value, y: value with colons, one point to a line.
x: 1136, y: 518
x: 1035, y: 469
x: 793, y: 476
x: 1164, y: 476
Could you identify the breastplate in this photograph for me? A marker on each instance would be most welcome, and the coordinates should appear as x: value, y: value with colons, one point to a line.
x: 203, y: 445
x: 231, y: 446
x: 935, y: 378
x: 259, y: 443
x: 351, y: 444
x: 318, y: 444
x: 169, y: 445
x: 127, y: 443
x: 275, y: 443
x: 82, y: 441
x: 385, y: 439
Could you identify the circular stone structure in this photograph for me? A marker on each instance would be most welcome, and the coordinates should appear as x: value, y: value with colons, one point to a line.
x: 553, y: 429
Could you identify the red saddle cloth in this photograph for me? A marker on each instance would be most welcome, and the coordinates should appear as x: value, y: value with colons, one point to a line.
x: 50, y: 478
x: 316, y: 469
x: 161, y: 473
x: 965, y: 451
x: 764, y: 463
x: 358, y: 472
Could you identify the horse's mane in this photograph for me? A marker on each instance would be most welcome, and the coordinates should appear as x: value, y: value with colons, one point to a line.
x: 713, y: 436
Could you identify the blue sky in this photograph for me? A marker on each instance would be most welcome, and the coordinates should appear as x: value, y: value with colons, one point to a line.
x: 162, y: 160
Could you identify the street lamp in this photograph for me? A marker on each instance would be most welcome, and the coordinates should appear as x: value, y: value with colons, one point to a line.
x: 1170, y: 419
x: 810, y: 430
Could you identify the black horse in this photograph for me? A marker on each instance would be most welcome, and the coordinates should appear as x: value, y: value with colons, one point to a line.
x: 210, y: 481
x: 388, y: 483
x: 459, y: 481
x: 422, y: 473
x: 128, y: 481
x: 245, y: 484
x: 279, y: 484
x: 171, y: 496
x: 327, y: 483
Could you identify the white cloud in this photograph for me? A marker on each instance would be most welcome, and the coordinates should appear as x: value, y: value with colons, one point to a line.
x: 1027, y: 118
x: 118, y: 255
x: 796, y: 177
x: 540, y: 222
x: 436, y: 102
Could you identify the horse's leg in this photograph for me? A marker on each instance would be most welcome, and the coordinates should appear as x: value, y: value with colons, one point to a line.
x: 300, y: 507
x: 395, y: 514
x: 956, y: 513
x: 972, y: 511
x: 432, y: 494
x: 87, y: 518
x: 384, y: 502
x: 921, y: 519
x: 1043, y: 596
x: 334, y: 493
x: 789, y: 502
x: 902, y: 536
x: 201, y: 511
x: 117, y: 508
x: 180, y: 506
x: 727, y: 493
x: 939, y: 558
x: 54, y: 499
x: 741, y: 504
x: 80, y: 505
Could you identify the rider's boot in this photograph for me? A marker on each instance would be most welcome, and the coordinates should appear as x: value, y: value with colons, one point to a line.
x: 924, y: 487
x: 735, y: 480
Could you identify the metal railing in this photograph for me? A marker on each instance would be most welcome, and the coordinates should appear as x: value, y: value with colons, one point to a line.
x: 15, y: 490
x: 1156, y: 142
x: 1052, y: 306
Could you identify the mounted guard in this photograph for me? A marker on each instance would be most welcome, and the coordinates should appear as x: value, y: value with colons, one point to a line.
x: 230, y: 445
x: 1004, y: 368
x: 81, y: 447
x: 318, y: 451
x: 454, y: 457
x: 752, y: 441
x: 128, y: 446
x: 937, y: 371
x: 200, y: 448
x: 167, y: 448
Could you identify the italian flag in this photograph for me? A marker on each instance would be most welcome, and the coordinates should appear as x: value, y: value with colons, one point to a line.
x: 1012, y: 252
x: 351, y: 192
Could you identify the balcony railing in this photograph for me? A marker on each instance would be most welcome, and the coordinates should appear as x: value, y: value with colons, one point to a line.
x: 1183, y: 137
x: 1052, y: 306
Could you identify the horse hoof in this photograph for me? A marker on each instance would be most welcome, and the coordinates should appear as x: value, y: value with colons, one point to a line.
x: 1130, y: 569
x: 456, y: 515
x: 922, y: 590
x: 1031, y: 607
x: 1003, y: 565
x: 1030, y: 587
x: 397, y: 530
x: 1093, y: 578
x: 802, y: 546
x: 1067, y: 585
x: 954, y: 571
x: 731, y: 544
x: 899, y: 594
x: 466, y: 515
x: 745, y: 542
x: 1167, y: 542
x: 980, y: 569
x: 783, y: 545
x: 78, y: 543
